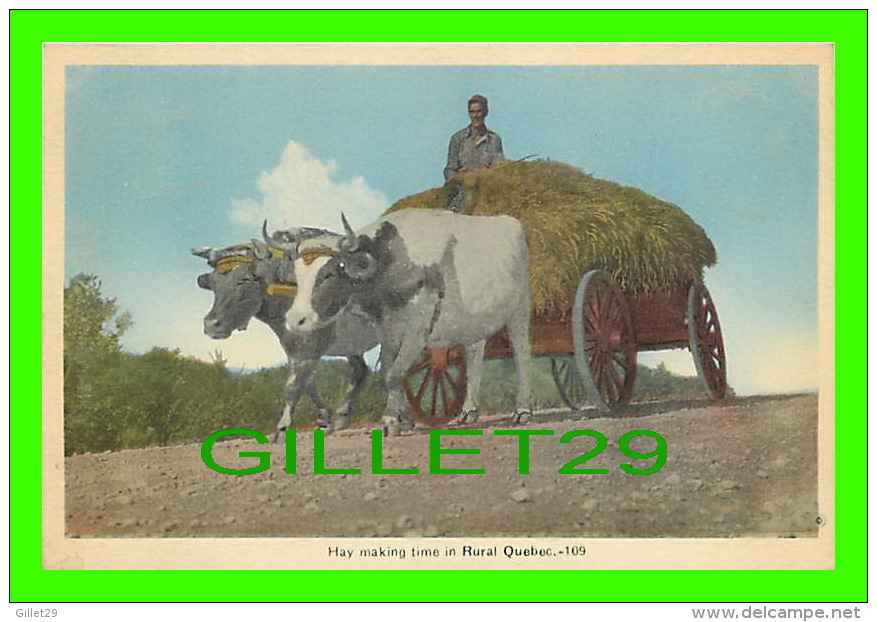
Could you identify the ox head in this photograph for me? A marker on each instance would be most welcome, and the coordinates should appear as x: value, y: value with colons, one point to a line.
x: 328, y: 277
x: 238, y: 285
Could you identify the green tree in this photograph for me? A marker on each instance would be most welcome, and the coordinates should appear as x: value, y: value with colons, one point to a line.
x: 93, y: 327
x: 91, y: 321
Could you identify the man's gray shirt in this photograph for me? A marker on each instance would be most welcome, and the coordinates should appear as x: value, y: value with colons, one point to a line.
x: 470, y: 152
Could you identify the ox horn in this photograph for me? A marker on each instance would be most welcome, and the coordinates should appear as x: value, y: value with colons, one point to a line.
x: 349, y: 243
x: 274, y: 243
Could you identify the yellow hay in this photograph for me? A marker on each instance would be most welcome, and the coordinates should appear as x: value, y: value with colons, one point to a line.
x: 575, y: 222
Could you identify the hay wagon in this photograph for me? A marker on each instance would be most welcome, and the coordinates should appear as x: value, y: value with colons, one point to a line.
x: 593, y: 348
x: 648, y: 293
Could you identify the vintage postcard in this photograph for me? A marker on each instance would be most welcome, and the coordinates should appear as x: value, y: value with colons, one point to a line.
x: 399, y: 306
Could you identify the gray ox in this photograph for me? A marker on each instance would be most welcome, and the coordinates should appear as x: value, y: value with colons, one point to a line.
x: 429, y: 279
x: 246, y: 283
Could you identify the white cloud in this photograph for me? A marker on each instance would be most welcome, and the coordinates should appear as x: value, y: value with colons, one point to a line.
x: 302, y: 191
x: 175, y: 321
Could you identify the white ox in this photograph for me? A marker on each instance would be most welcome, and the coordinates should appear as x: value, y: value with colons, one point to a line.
x: 429, y: 279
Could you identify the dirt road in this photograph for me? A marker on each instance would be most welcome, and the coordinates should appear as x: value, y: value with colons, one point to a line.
x: 743, y: 467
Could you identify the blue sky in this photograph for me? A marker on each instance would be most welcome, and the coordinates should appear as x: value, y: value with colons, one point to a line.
x: 163, y: 159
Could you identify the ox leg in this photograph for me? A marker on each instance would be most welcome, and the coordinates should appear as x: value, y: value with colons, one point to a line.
x: 519, y: 335
x: 474, y: 367
x: 324, y: 419
x: 396, y: 360
x: 358, y: 375
x: 298, y: 382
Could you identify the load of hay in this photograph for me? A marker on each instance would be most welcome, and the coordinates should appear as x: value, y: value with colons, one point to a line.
x: 575, y: 223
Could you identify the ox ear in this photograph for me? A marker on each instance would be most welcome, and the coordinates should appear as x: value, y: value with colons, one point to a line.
x: 205, y: 281
x: 361, y: 266
x: 260, y: 249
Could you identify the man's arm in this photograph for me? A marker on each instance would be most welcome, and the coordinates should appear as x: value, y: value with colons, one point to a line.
x: 496, y: 155
x: 453, y: 164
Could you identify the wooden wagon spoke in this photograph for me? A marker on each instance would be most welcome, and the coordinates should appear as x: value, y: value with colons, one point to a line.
x: 616, y: 313
x: 605, y: 306
x: 705, y: 341
x: 423, y: 386
x: 622, y: 359
x: 435, y: 377
x: 617, y: 383
x: 460, y: 387
x: 423, y: 363
x: 444, y: 391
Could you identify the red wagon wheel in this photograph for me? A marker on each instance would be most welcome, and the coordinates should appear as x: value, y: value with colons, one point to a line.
x: 605, y: 341
x: 435, y: 386
x: 569, y: 382
x: 705, y: 341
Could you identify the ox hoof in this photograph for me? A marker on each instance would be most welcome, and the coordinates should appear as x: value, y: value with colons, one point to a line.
x: 395, y: 426
x: 521, y: 417
x: 391, y: 426
x: 469, y: 416
x: 324, y: 420
x: 325, y: 426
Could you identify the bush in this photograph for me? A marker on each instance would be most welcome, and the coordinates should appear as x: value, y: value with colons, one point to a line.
x: 116, y: 400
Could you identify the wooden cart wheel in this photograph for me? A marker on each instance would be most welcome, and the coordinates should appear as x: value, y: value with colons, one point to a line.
x: 435, y: 386
x: 705, y: 341
x: 569, y: 382
x: 605, y: 341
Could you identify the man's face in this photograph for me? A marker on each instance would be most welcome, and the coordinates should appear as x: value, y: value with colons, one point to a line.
x: 477, y: 114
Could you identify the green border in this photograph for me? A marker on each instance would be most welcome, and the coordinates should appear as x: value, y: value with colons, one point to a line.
x: 847, y: 29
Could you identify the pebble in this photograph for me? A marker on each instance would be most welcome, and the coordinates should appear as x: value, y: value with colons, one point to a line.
x: 521, y: 495
x: 370, y: 496
x: 312, y: 506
